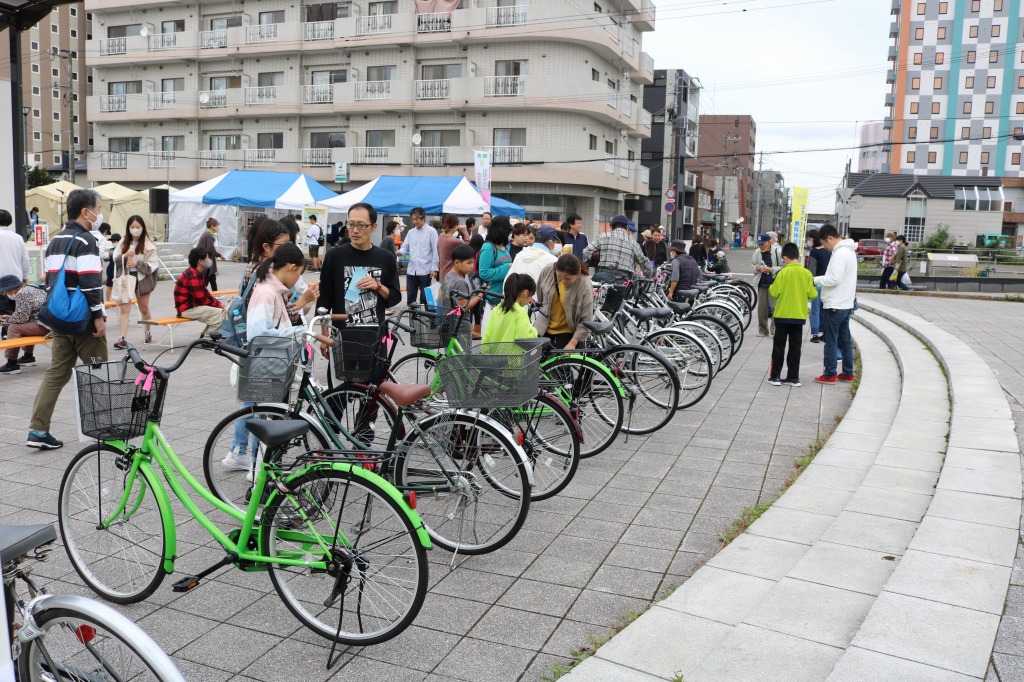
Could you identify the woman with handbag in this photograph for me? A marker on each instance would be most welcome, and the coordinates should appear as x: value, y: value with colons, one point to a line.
x: 136, y: 267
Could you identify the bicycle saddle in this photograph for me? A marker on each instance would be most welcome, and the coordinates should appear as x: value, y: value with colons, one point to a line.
x: 275, y: 432
x: 17, y: 541
x: 688, y: 293
x: 404, y: 395
x: 703, y: 286
x: 679, y: 308
x: 720, y: 278
x: 542, y: 343
x: 645, y: 314
x: 598, y: 328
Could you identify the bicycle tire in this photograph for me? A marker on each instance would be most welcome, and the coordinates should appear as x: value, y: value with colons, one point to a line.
x: 691, y: 359
x: 371, y: 428
x: 454, y: 444
x: 230, y: 485
x: 727, y: 314
x: 88, y: 640
x: 711, y: 340
x: 322, y: 503
x: 124, y: 562
x: 722, y: 331
x: 415, y: 368
x: 651, y: 383
x: 748, y: 289
x: 737, y: 300
x: 549, y: 436
x: 592, y: 396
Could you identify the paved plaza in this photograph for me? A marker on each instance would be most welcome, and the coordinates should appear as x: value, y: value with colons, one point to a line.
x: 637, y: 519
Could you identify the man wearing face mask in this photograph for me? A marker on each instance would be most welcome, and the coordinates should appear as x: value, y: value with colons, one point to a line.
x: 73, y: 250
x: 192, y: 299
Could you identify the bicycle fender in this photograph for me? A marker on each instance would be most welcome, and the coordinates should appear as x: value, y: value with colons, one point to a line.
x: 166, y: 513
x: 599, y: 366
x: 375, y: 480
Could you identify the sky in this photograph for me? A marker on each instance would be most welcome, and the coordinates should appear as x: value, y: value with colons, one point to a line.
x: 808, y: 71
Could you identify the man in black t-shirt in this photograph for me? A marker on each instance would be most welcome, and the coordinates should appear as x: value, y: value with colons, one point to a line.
x: 376, y: 287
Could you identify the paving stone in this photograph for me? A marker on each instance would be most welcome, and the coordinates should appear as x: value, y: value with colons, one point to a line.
x: 979, y: 481
x: 538, y: 597
x: 360, y: 668
x: 515, y: 627
x: 985, y: 509
x: 966, y: 540
x: 890, y: 503
x: 986, y: 460
x: 791, y: 525
x: 832, y: 477
x: 950, y: 580
x: 473, y: 659
x: 604, y: 608
x: 233, y: 647
x: 629, y: 582
x: 847, y: 459
x: 805, y: 496
x: 983, y: 440
x: 751, y: 653
x: 819, y: 613
x: 645, y: 558
x: 848, y: 568
x: 1010, y: 638
x: 596, y: 669
x: 719, y: 595
x: 859, y: 664
x: 909, y: 459
x: 759, y: 557
x: 871, y: 532
x: 562, y: 571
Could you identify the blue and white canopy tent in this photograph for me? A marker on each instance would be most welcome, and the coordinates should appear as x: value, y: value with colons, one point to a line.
x: 224, y: 196
x: 398, y: 195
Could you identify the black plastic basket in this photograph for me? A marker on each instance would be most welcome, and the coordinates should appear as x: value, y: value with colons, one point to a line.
x: 112, y: 404
x: 430, y: 332
x: 266, y: 375
x: 491, y: 375
x: 357, y: 352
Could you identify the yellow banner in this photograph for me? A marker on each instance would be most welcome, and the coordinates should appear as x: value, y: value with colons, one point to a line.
x: 798, y: 228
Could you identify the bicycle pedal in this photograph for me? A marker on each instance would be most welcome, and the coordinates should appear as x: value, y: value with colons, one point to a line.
x: 187, y: 583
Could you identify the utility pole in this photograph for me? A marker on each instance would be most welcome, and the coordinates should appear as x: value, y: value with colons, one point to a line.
x: 679, y: 160
x: 69, y: 94
x: 757, y: 194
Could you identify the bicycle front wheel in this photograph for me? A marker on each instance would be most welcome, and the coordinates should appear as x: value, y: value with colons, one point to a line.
x: 376, y: 574
x: 651, y: 383
x: 86, y: 640
x: 592, y: 395
x: 112, y: 525
x: 471, y: 479
x: 691, y: 359
x: 415, y: 368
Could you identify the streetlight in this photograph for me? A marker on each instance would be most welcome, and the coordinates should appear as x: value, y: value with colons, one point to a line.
x: 24, y: 141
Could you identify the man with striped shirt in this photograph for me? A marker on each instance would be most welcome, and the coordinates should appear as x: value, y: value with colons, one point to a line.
x: 76, y: 250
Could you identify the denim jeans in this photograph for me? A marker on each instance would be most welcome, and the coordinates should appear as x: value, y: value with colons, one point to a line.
x: 240, y: 443
x: 815, y: 318
x: 414, y: 283
x: 837, y: 337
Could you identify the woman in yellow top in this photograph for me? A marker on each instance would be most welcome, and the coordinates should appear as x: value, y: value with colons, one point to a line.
x: 566, y: 295
x: 510, y: 321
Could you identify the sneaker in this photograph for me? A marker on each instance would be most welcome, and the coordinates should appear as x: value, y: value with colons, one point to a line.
x: 845, y: 377
x: 149, y: 337
x: 121, y: 344
x: 775, y: 381
x: 250, y: 475
x: 236, y: 462
x: 12, y: 367
x: 27, y: 361
x: 792, y: 382
x: 825, y: 380
x: 43, y: 441
x: 817, y: 339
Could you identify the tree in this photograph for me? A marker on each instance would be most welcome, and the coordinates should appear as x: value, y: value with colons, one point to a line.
x: 940, y: 239
x: 37, y: 177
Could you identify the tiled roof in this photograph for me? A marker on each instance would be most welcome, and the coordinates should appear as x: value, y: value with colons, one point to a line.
x: 935, y: 186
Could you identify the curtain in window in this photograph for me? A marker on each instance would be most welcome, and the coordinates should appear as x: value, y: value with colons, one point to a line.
x: 430, y: 6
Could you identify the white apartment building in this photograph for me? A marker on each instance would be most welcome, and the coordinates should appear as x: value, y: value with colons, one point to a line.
x: 182, y: 92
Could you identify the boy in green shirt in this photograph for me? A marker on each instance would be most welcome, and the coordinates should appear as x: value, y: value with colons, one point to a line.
x: 793, y: 288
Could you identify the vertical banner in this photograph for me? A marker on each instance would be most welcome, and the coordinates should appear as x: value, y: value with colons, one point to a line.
x: 482, y: 165
x: 798, y: 231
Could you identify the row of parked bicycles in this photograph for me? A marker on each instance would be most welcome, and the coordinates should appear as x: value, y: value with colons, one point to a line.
x: 423, y: 440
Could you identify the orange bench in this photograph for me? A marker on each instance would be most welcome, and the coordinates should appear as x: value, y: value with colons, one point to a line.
x: 24, y: 341
x: 115, y: 304
x: 170, y: 323
x: 224, y: 292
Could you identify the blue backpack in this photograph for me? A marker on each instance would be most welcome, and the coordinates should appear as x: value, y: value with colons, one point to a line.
x: 233, y: 326
x: 66, y: 312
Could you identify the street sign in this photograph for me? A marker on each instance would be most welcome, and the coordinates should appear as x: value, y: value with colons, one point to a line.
x: 669, y: 207
x: 670, y: 193
x: 340, y: 172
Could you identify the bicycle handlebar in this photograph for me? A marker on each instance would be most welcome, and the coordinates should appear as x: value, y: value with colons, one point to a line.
x: 217, y: 346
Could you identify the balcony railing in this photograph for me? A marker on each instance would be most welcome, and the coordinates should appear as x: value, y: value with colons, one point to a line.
x: 630, y: 45
x: 163, y: 41
x: 213, y: 159
x: 627, y: 107
x: 260, y: 157
x: 261, y: 33
x: 609, y: 164
x: 379, y: 23
x: 505, y: 86
x: 266, y: 94
x: 501, y: 156
x: 434, y: 22
x: 615, y: 31
x: 433, y: 89
x: 645, y: 175
x: 319, y: 30
x: 646, y: 62
x: 161, y: 159
x: 215, y: 99
x: 317, y: 157
x: 317, y: 94
x: 113, y: 46
x: 624, y: 168
x: 430, y: 156
x: 114, y: 160
x: 689, y: 180
x: 160, y: 100
x: 613, y: 98
x: 373, y: 89
x: 113, y: 103
x: 213, y: 39
x: 501, y: 17
x: 370, y: 154
x: 645, y: 118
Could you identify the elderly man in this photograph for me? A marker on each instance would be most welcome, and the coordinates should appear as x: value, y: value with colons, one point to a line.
x: 619, y: 256
x: 685, y: 271
x: 765, y: 264
x: 75, y: 252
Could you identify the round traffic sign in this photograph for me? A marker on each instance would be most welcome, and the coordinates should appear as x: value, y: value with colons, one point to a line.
x: 669, y: 207
x: 670, y: 193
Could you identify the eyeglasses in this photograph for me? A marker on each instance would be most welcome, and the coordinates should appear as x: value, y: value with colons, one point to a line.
x: 359, y: 226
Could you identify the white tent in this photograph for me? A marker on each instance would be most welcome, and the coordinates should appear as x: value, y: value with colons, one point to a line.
x: 436, y: 195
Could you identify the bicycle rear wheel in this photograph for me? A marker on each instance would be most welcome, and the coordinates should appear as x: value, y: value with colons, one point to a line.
x: 376, y: 576
x: 691, y: 359
x: 592, y: 395
x: 727, y: 314
x: 415, y: 368
x: 711, y: 340
x: 724, y: 334
x: 651, y: 383
x: 122, y: 558
x: 471, y: 479
x: 85, y: 640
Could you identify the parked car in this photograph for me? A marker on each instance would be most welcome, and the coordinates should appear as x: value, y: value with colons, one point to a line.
x: 870, y: 249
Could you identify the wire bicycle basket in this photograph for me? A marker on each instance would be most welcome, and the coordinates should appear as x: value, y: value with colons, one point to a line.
x: 357, y: 353
x: 491, y: 375
x: 115, y: 400
x: 267, y: 374
x: 431, y: 332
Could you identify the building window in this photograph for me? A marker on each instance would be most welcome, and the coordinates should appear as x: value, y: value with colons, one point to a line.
x: 995, y: 30
x: 124, y: 144
x: 270, y: 79
x: 53, y: 28
x: 74, y: 33
x: 595, y: 75
x: 990, y: 82
x: 990, y: 107
x: 997, y: 5
x: 934, y: 133
x: 609, y: 147
x: 35, y: 113
x: 932, y: 156
x: 972, y: 56
x: 919, y: 33
x: 984, y: 158
x: 914, y: 106
x: 34, y: 45
x: 912, y: 133
x: 56, y: 137
x: 993, y: 56
x: 921, y: 8
x: 380, y: 138
x: 325, y: 140
x: 37, y: 136
x: 913, y: 221
x: 511, y: 67
x: 225, y: 142
x: 940, y: 57
x: 963, y: 157
x: 124, y: 31
x: 918, y: 58
x: 1018, y: 131
x: 593, y: 143
x: 941, y: 34
x: 937, y: 84
x: 270, y: 141
x: 56, y: 116
x: 911, y: 156
x: 936, y: 107
x: 55, y: 73
x: 965, y: 133
x: 972, y: 32
x: 975, y: 5
x: 35, y: 89
x: 266, y: 19
x: 943, y: 7
x: 1015, y: 158
x: 986, y: 133
x: 967, y: 107
x: 915, y: 83
x: 969, y: 82
x: 57, y: 158
x: 35, y: 68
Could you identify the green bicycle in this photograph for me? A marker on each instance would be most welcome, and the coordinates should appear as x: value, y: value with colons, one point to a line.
x: 345, y: 550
